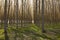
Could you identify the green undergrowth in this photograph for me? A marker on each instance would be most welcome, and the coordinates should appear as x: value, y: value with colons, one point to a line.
x: 34, y: 32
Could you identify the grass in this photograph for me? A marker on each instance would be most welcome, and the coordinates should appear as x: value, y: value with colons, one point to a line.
x: 33, y: 32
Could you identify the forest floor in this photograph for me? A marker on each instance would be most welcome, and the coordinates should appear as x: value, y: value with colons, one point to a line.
x: 52, y: 32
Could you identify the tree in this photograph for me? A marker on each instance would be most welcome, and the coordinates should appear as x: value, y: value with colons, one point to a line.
x: 5, y: 21
x: 43, y: 30
x: 16, y: 17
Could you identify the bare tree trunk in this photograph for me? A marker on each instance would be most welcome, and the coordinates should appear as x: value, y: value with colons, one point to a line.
x: 5, y: 21
x: 16, y: 17
x: 35, y: 12
x: 8, y: 9
x: 22, y: 19
x: 43, y: 30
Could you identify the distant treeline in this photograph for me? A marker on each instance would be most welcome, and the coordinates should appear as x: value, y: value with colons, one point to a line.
x: 32, y: 10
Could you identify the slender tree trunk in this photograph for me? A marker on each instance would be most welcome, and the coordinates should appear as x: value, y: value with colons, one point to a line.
x: 43, y: 30
x: 35, y: 11
x: 22, y: 19
x: 5, y: 21
x: 8, y: 10
x: 16, y: 17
